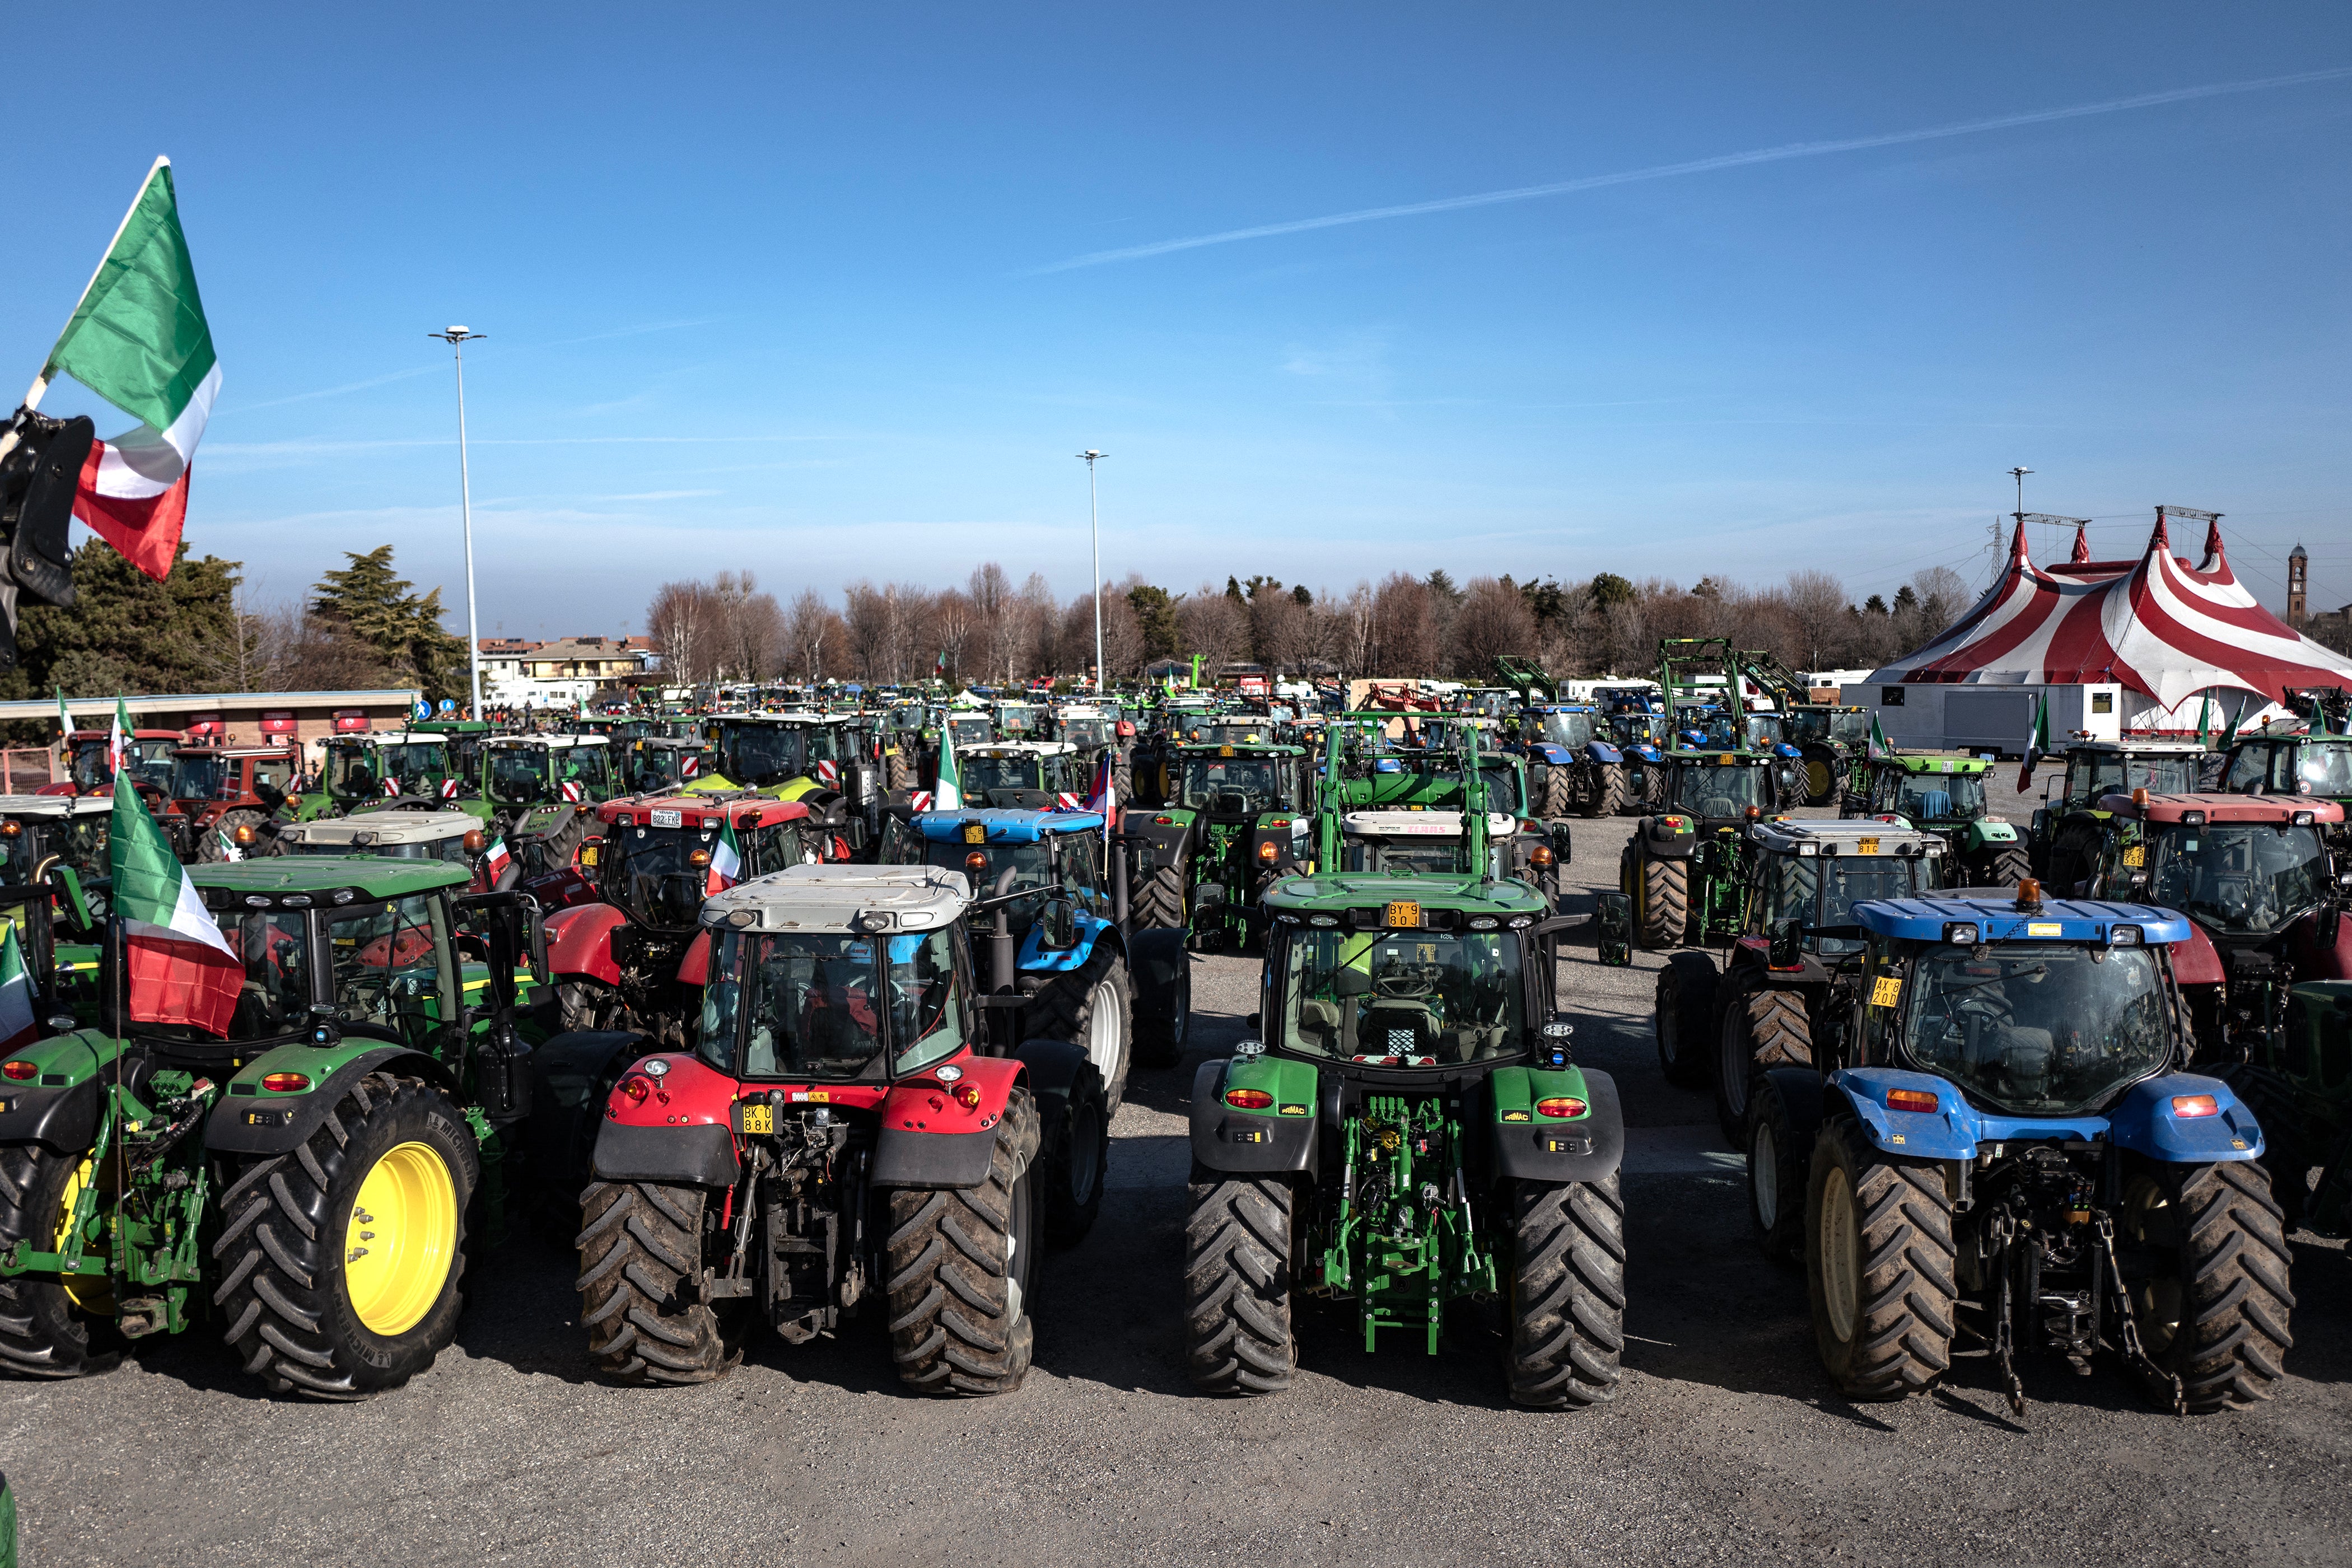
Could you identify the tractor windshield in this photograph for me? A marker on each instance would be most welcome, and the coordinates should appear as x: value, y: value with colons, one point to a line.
x: 982, y: 774
x: 584, y: 772
x: 812, y: 1006
x: 2296, y: 767
x: 1086, y: 732
x: 274, y: 996
x: 1402, y: 998
x: 758, y: 754
x: 387, y: 962
x: 658, y: 874
x: 201, y: 776
x: 416, y: 765
x: 1763, y: 728
x: 1719, y: 790
x: 2108, y: 773
x: 89, y: 770
x: 1939, y: 797
x: 1629, y: 729
x: 1406, y: 857
x: 2247, y: 879
x: 1849, y: 728
x: 657, y: 770
x: 1571, y: 729
x: 1031, y: 865
x: 1823, y: 892
x: 1502, y: 780
x: 518, y: 775
x: 2037, y: 1030
x: 1018, y: 722
x: 969, y: 731
x: 1231, y: 786
x: 351, y: 770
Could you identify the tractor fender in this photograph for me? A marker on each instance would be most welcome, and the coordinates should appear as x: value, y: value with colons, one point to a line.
x: 63, y: 1118
x: 1983, y: 835
x: 1550, y: 756
x: 1167, y: 843
x: 2194, y: 962
x: 1155, y: 959
x: 2314, y: 958
x: 1951, y: 1131
x: 2145, y: 1122
x: 1036, y: 958
x: 579, y: 942
x: 683, y: 1131
x: 252, y: 1122
x: 694, y: 964
x: 1586, y: 1149
x: 1801, y: 1095
x: 1247, y: 1141
x: 1285, y: 839
x: 1663, y: 843
x: 571, y: 1075
x: 1603, y: 752
x: 908, y: 1153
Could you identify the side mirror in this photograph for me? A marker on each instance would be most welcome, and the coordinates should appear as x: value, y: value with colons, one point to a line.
x: 1783, y: 952
x: 1612, y: 920
x: 534, y: 938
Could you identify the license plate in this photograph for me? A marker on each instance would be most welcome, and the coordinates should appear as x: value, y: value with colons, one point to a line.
x: 758, y: 1119
x: 1403, y: 913
x: 1866, y: 845
x: 2136, y: 856
x: 668, y: 819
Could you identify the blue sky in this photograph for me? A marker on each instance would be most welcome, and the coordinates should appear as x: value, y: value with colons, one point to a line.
x: 785, y: 289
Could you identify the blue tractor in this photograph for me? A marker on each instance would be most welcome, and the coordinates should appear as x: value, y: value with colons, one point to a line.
x: 1124, y: 995
x: 1571, y: 763
x: 1995, y: 1153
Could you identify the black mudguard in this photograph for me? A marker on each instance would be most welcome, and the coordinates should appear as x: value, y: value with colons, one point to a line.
x: 63, y: 1119
x: 905, y: 1158
x: 571, y: 1077
x: 1806, y: 1094
x: 1155, y: 958
x: 700, y: 1156
x: 1663, y: 843
x: 1287, y: 1145
x: 1585, y: 1151
x: 1164, y: 844
x: 277, y: 1124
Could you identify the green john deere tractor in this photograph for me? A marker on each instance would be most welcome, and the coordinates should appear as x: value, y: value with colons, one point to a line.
x: 403, y: 769
x: 543, y: 791
x: 1943, y: 793
x: 1681, y: 867
x: 1230, y: 823
x: 310, y: 1175
x: 1410, y: 1136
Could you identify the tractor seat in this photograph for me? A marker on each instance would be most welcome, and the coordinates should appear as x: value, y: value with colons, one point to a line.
x: 1718, y: 806
x: 1319, y: 1024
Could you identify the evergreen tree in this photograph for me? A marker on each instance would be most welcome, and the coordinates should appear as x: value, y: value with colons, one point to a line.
x: 1155, y: 614
x: 127, y: 633
x: 367, y: 601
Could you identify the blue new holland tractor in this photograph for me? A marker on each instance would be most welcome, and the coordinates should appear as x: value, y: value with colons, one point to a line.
x: 1571, y: 763
x: 1995, y: 1153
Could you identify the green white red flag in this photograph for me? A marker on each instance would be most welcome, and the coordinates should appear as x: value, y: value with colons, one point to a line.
x: 117, y: 739
x: 138, y: 339
x: 726, y: 859
x: 17, y: 1022
x: 181, y: 970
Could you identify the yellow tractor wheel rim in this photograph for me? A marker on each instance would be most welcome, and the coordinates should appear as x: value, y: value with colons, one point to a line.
x: 402, y: 1240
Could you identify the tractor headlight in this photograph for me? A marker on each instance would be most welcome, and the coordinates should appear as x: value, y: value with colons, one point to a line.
x: 2123, y: 936
x: 1804, y: 849
x: 1960, y: 933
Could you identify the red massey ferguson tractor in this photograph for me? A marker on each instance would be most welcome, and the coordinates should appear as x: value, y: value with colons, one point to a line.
x: 221, y: 795
x: 857, y: 1126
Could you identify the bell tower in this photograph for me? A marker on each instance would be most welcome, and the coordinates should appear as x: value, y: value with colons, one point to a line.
x: 2298, y: 563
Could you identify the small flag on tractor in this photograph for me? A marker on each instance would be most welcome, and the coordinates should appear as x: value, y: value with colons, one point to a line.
x: 494, y: 861
x: 16, y: 1019
x: 1880, y: 747
x: 1104, y: 797
x: 181, y: 970
x: 2205, y: 722
x: 117, y: 739
x: 726, y: 859
x: 2239, y: 716
x: 950, y: 792
x: 65, y: 720
x: 228, y: 845
x: 1067, y: 800
x: 2037, y: 743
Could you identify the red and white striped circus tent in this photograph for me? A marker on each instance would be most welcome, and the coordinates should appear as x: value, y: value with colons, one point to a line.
x: 2166, y: 631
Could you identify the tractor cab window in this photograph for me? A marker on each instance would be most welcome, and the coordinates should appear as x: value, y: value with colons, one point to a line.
x: 767, y: 850
x: 758, y: 754
x: 1629, y: 729
x: 1764, y: 728
x: 2108, y: 773
x: 274, y: 998
x: 1930, y: 798
x: 1412, y: 856
x: 1402, y: 998
x: 151, y: 761
x: 2244, y: 878
x: 588, y: 767
x: 417, y: 765
x: 658, y: 874
x: 1716, y: 790
x: 2035, y: 1029
x: 2323, y: 767
x: 971, y: 732
x: 1806, y: 726
x: 1018, y: 722
x: 392, y: 965
x: 518, y: 775
x: 201, y: 776
x: 88, y: 769
x: 1232, y: 786
x: 1503, y: 794
x: 824, y: 745
x: 1086, y: 731
x: 1031, y: 865
x: 812, y: 1006
x: 1571, y: 729
x: 1823, y: 892
x: 1016, y: 769
x: 351, y: 770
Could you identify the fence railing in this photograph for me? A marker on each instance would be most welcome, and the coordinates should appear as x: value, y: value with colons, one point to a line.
x: 27, y: 769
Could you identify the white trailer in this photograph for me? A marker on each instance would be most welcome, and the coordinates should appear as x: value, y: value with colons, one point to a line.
x: 1983, y: 717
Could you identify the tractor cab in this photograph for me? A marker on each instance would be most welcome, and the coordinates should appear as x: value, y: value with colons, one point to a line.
x: 1020, y: 721
x: 2063, y: 837
x: 525, y: 773
x: 785, y: 755
x: 364, y: 769
x: 1720, y: 789
x: 1943, y: 793
x: 463, y: 738
x: 967, y: 728
x: 1829, y: 739
x: 661, y: 764
x: 1034, y: 775
x: 453, y: 838
x: 660, y: 856
x: 1086, y: 728
x: 2315, y: 766
x: 1054, y: 860
x: 149, y: 757
x: 222, y: 798
x: 60, y: 840
x: 1422, y: 843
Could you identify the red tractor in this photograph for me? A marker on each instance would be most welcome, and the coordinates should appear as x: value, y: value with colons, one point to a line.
x: 88, y: 771
x: 219, y: 797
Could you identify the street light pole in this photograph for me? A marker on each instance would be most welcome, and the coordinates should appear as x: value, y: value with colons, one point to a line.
x: 1094, y: 524
x: 457, y: 338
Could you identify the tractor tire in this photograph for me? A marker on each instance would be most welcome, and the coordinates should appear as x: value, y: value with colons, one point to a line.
x: 2213, y: 1301
x: 1608, y: 791
x: 1122, y: 774
x: 1160, y: 1042
x: 958, y: 1267
x: 1238, y: 1337
x: 2004, y: 867
x: 1559, y: 793
x: 897, y: 773
x: 641, y: 1249
x: 1879, y: 1266
x: 1159, y: 900
x: 1653, y: 793
x: 209, y: 849
x: 1776, y: 1178
x: 1661, y: 901
x: 1075, y: 1156
x: 2272, y: 1099
x: 554, y: 850
x: 2073, y: 855
x: 44, y: 1331
x: 1092, y: 1008
x: 1821, y: 771
x: 1685, y: 1017
x: 292, y: 1226
x: 1761, y: 1028
x: 1568, y: 1293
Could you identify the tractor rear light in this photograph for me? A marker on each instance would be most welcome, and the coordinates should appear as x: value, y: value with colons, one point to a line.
x: 285, y: 1082
x: 1248, y: 1099
x: 1674, y: 823
x: 1919, y: 1101
x: 968, y: 1096
x: 1564, y: 1106
x: 636, y: 1089
x: 1268, y: 852
x: 20, y: 1071
x: 2195, y: 1105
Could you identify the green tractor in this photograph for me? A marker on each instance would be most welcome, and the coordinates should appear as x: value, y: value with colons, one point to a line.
x: 314, y: 1178
x: 1230, y: 823
x: 2065, y: 837
x: 1682, y: 867
x: 1410, y: 1136
x: 542, y: 792
x: 2315, y: 763
x: 1943, y: 793
x: 405, y: 769
x: 2298, y: 1084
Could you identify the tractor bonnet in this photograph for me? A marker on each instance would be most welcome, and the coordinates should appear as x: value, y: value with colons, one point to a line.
x: 56, y: 804
x: 1849, y: 837
x: 841, y: 898
x: 380, y: 827
x: 1003, y: 825
x: 1420, y: 824
x: 2000, y: 919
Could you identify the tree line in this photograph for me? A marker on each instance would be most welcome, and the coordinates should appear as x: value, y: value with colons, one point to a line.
x: 728, y: 629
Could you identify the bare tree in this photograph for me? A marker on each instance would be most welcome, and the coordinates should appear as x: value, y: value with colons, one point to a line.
x: 1494, y: 619
x: 1403, y: 632
x: 1816, y: 602
x: 1213, y: 625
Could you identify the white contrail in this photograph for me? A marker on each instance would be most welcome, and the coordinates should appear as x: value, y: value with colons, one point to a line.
x: 1698, y: 167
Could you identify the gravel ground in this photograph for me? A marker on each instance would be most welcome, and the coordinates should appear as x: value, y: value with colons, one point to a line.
x: 1725, y: 1444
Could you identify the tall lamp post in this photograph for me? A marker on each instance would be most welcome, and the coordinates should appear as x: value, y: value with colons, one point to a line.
x: 1094, y: 524
x: 457, y: 338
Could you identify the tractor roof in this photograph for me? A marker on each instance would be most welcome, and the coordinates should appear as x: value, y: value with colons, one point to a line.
x: 56, y: 804
x: 1464, y: 894
x: 1003, y: 825
x: 1420, y: 824
x: 1710, y: 757
x: 1814, y: 836
x: 668, y: 743
x: 700, y: 810
x: 841, y: 898
x: 378, y: 827
x: 2000, y: 919
x: 1022, y: 749
x: 552, y: 742
x: 286, y: 749
x: 2280, y: 809
x: 135, y: 734
x: 389, y: 738
x: 1937, y: 763
x: 325, y: 875
x: 1238, y: 749
x: 2136, y: 748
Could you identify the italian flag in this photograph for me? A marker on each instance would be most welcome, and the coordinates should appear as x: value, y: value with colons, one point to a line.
x: 139, y: 339
x: 726, y: 859
x: 117, y: 739
x: 181, y: 969
x: 2037, y: 743
x: 17, y: 1024
x: 949, y: 796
